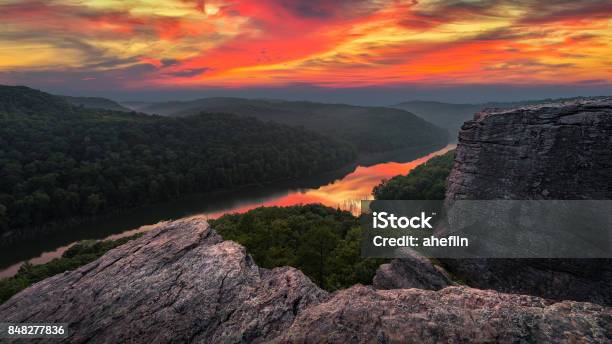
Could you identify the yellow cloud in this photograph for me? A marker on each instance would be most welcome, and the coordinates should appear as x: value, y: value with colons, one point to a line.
x: 397, y: 41
x: 35, y: 56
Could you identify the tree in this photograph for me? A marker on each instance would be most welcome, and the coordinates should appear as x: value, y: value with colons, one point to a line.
x: 94, y: 203
x: 4, y: 220
x: 315, y: 250
x: 425, y: 182
x: 322, y: 242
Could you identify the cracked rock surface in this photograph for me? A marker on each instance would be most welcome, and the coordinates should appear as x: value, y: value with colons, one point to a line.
x: 182, y: 283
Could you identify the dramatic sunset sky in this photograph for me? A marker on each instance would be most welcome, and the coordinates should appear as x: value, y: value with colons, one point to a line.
x: 130, y: 46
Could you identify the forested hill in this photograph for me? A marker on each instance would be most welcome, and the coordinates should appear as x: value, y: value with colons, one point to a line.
x: 452, y: 116
x: 58, y: 161
x: 445, y: 115
x: 96, y: 103
x: 21, y: 100
x: 369, y: 129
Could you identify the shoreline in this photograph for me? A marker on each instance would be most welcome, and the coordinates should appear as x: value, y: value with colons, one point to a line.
x: 133, y: 220
x: 361, y: 159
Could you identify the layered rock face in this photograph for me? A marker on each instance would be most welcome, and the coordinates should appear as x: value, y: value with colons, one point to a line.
x: 551, y: 151
x: 182, y: 283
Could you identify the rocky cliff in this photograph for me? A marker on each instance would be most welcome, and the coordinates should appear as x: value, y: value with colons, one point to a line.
x: 182, y: 283
x: 550, y: 151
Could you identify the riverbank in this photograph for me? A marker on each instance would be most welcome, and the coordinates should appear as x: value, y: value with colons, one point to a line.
x: 334, y: 189
x: 66, y: 224
x: 362, y: 159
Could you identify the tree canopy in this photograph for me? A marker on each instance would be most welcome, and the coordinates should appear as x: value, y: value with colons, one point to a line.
x: 322, y: 242
x: 368, y: 129
x: 424, y: 182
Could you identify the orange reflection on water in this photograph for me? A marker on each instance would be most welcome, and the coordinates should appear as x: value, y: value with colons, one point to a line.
x: 345, y: 193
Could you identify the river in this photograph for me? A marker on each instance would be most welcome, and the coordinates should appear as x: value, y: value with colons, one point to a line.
x: 344, y: 188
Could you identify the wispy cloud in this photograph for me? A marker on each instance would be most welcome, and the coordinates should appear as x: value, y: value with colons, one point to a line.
x: 188, y: 43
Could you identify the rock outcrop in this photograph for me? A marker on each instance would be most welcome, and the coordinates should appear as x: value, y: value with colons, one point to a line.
x: 182, y: 283
x: 179, y: 283
x: 550, y: 151
x: 452, y: 315
x: 414, y: 272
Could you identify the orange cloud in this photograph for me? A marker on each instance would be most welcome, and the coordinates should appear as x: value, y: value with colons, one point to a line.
x: 223, y: 43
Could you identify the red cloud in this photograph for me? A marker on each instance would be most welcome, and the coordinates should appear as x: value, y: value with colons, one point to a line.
x: 337, y: 43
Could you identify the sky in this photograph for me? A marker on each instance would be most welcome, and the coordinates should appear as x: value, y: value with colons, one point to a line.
x: 352, y: 51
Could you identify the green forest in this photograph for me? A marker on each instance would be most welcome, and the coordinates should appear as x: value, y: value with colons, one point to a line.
x: 425, y: 182
x: 322, y: 242
x: 59, y: 161
x: 368, y: 129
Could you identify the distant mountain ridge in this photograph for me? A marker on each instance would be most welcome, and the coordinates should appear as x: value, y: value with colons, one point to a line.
x: 27, y: 101
x: 135, y: 105
x: 369, y: 129
x: 451, y: 116
x: 96, y: 103
x: 31, y: 101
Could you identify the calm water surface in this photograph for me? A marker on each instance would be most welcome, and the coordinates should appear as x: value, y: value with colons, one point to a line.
x: 344, y: 188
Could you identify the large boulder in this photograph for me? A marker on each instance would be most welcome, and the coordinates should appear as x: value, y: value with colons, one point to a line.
x: 179, y: 283
x: 414, y: 271
x: 551, y: 151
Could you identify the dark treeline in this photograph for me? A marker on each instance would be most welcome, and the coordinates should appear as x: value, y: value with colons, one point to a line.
x: 322, y: 242
x: 425, y: 182
x: 58, y: 161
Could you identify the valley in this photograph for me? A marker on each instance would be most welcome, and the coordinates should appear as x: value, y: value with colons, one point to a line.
x: 342, y: 189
